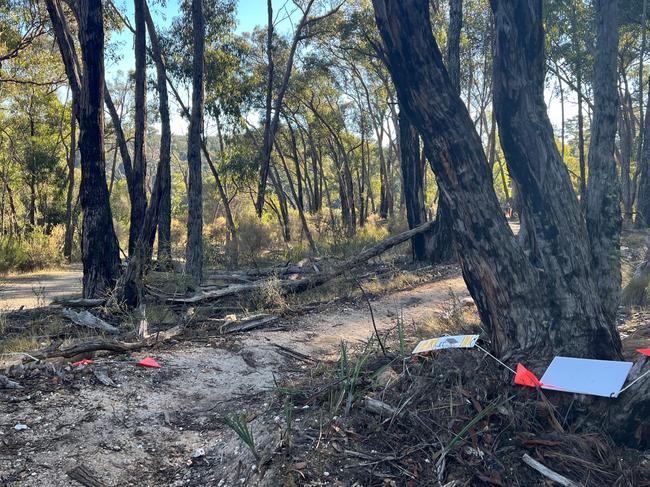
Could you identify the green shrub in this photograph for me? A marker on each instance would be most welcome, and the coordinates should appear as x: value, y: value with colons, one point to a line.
x: 31, y: 252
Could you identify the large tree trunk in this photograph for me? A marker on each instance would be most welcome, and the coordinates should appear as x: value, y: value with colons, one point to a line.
x: 99, y: 247
x: 194, y: 250
x: 442, y: 239
x: 164, y: 170
x: 138, y: 196
x: 559, y: 242
x: 603, y: 193
x: 547, y: 305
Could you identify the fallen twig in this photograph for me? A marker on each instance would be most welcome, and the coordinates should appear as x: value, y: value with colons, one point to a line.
x: 247, y: 323
x: 547, y: 472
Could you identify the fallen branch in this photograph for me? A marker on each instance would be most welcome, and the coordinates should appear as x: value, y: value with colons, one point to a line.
x: 108, y: 345
x: 85, y: 477
x: 380, y: 408
x: 80, y: 302
x: 248, y: 323
x: 6, y: 383
x: 548, y: 473
x: 300, y: 285
x: 87, y: 319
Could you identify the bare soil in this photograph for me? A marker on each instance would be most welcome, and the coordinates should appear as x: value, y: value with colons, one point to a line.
x: 165, y: 426
x: 39, y: 288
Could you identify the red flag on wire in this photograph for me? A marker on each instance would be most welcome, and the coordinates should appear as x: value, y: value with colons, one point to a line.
x: 525, y: 377
x: 644, y: 351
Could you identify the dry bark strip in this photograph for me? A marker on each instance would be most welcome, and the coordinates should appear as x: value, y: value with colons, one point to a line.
x: 87, y: 319
x: 299, y: 285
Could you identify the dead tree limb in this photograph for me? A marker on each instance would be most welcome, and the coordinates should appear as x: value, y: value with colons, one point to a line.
x: 108, y: 345
x: 300, y: 285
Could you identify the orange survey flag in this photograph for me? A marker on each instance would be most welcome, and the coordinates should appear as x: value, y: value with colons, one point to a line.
x: 525, y: 377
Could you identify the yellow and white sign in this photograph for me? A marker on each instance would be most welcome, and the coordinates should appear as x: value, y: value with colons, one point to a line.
x: 456, y: 341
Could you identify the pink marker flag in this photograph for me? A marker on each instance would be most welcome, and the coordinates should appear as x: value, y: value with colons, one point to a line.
x: 644, y: 351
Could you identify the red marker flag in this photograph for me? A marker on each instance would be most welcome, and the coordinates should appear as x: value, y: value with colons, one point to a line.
x: 83, y: 362
x: 525, y: 377
x: 644, y: 351
x: 149, y: 362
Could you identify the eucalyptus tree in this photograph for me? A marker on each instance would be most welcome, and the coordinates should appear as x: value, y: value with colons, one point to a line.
x: 544, y: 301
x: 99, y: 246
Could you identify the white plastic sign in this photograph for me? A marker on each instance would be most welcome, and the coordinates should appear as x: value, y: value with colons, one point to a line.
x: 586, y: 376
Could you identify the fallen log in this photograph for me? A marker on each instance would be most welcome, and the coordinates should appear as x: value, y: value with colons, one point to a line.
x: 315, y: 280
x: 87, y: 319
x: 107, y: 345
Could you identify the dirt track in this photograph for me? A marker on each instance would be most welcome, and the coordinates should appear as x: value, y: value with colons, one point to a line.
x: 39, y: 288
x: 144, y: 431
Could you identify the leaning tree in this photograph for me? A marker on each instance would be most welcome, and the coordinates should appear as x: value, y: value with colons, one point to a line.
x: 545, y: 299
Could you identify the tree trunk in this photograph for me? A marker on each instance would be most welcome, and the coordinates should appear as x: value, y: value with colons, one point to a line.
x: 164, y: 164
x: 272, y: 118
x: 545, y: 312
x: 138, y: 196
x: 194, y: 250
x: 453, y: 42
x: 643, y: 197
x: 412, y: 177
x: 69, y: 233
x: 559, y: 241
x: 232, y: 240
x: 625, y: 154
x: 99, y: 247
x: 603, y: 212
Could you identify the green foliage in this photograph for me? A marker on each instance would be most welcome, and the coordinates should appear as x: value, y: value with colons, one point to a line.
x: 349, y: 371
x: 37, y: 251
x: 239, y: 424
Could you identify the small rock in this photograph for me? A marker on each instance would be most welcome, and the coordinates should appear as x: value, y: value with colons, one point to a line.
x: 21, y: 427
x: 198, y: 453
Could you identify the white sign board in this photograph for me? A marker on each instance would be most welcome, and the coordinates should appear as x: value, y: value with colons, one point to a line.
x: 586, y: 376
x: 456, y: 341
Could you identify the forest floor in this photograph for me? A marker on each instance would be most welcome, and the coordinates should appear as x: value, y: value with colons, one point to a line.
x: 300, y: 399
x: 146, y: 430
